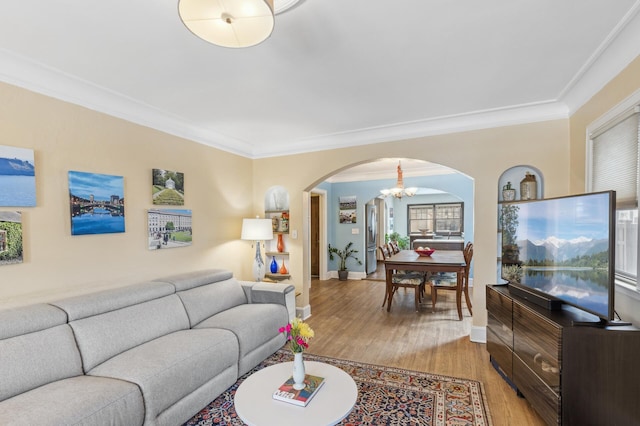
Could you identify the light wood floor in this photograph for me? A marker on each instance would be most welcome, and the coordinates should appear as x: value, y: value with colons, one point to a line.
x: 349, y: 323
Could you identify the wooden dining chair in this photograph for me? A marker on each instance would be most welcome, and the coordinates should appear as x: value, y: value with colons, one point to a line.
x: 393, y: 247
x: 437, y: 285
x: 403, y: 279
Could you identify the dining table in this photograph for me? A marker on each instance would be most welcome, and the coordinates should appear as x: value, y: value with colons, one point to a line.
x: 438, y: 261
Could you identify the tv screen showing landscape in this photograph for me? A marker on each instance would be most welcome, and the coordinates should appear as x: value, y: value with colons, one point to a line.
x: 562, y: 247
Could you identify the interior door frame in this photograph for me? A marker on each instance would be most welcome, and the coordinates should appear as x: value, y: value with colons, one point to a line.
x: 322, y: 223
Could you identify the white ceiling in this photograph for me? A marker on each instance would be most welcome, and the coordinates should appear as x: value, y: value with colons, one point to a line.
x: 333, y: 73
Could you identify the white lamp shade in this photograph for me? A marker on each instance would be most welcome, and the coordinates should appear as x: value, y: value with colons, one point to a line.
x: 257, y: 229
x: 228, y: 23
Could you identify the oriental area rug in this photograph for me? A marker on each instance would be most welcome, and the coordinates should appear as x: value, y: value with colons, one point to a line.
x: 386, y: 396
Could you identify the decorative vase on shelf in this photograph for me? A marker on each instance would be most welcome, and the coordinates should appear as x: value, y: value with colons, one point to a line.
x: 298, y: 371
x: 283, y: 269
x: 528, y: 187
x: 508, y: 193
x: 274, y: 266
x: 280, y: 243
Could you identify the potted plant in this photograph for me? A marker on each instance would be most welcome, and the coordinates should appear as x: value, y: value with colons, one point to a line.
x: 348, y: 252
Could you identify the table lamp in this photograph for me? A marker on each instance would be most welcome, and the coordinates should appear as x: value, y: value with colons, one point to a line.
x: 257, y: 230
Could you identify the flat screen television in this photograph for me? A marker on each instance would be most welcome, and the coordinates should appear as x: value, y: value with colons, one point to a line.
x: 563, y: 249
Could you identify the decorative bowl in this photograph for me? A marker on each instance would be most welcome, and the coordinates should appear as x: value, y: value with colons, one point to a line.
x: 425, y: 252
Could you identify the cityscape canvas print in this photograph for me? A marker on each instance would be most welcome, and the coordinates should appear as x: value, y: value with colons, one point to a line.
x: 96, y: 203
x: 17, y: 177
x: 10, y: 237
x: 168, y: 187
x: 169, y: 228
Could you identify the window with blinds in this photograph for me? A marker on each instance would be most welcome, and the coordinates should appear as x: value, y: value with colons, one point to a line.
x: 437, y: 218
x: 615, y: 164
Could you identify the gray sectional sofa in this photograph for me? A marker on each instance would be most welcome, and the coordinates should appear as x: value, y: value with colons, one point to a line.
x: 153, y: 353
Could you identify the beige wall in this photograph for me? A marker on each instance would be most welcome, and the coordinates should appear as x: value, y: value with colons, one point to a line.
x: 67, y: 137
x: 482, y: 155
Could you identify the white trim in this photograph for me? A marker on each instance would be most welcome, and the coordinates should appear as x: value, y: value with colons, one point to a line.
x: 628, y: 290
x: 303, y: 312
x: 478, y: 334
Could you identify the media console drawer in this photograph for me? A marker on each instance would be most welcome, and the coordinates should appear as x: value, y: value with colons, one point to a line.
x: 500, y: 306
x: 538, y: 343
x: 542, y: 398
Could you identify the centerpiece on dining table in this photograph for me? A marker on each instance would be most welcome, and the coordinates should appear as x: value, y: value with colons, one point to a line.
x: 424, y: 251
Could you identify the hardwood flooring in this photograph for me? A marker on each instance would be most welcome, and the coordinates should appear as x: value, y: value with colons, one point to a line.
x: 350, y: 323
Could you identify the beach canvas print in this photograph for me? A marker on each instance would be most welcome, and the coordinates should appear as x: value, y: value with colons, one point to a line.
x: 17, y: 177
x: 168, y: 187
x: 10, y: 237
x: 169, y: 228
x: 97, y: 203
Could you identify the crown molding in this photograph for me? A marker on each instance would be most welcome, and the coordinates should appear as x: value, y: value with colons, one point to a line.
x: 613, y: 55
x: 500, y: 117
x: 36, y: 77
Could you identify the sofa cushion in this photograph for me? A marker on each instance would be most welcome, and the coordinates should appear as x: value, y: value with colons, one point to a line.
x: 188, y: 280
x: 253, y: 324
x: 210, y: 299
x: 103, y: 336
x: 36, y: 347
x: 35, y: 359
x: 29, y: 319
x: 81, y: 400
x: 171, y: 367
x: 88, y: 305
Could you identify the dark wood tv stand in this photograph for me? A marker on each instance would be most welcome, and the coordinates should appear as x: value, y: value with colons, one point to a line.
x: 571, y: 375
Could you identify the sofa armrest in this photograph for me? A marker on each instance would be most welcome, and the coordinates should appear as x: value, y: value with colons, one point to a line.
x: 282, y: 294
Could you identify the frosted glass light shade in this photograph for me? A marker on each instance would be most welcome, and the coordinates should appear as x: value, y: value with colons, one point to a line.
x: 228, y: 23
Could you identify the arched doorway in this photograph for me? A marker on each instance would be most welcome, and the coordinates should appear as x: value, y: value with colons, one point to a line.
x: 364, y: 181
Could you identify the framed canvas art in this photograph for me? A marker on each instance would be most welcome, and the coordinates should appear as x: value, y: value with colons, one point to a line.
x: 96, y: 203
x: 10, y: 237
x: 17, y: 177
x: 169, y: 228
x: 168, y: 187
x: 348, y: 209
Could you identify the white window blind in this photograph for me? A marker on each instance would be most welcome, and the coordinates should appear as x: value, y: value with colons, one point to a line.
x: 615, y: 160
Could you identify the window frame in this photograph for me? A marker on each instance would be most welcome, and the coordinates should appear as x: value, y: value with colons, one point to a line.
x: 434, y: 218
x: 615, y: 115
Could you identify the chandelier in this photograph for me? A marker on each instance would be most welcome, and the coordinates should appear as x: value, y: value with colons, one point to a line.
x: 399, y: 190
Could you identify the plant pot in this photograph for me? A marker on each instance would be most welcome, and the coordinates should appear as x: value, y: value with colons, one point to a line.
x: 343, y: 274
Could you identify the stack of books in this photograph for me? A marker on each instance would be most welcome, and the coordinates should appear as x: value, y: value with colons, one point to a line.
x: 301, y: 397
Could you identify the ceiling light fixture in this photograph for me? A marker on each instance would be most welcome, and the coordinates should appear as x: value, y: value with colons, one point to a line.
x: 228, y: 23
x: 399, y: 190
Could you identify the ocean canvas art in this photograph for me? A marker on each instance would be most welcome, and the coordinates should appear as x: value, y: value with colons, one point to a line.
x: 96, y: 203
x: 17, y: 177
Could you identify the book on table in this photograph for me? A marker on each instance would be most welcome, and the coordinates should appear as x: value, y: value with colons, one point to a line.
x: 301, y: 397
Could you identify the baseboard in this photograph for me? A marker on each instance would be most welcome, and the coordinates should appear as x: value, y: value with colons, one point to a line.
x: 303, y: 312
x: 478, y: 334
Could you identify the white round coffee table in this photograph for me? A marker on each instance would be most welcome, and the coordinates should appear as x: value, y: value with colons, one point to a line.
x: 333, y: 402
